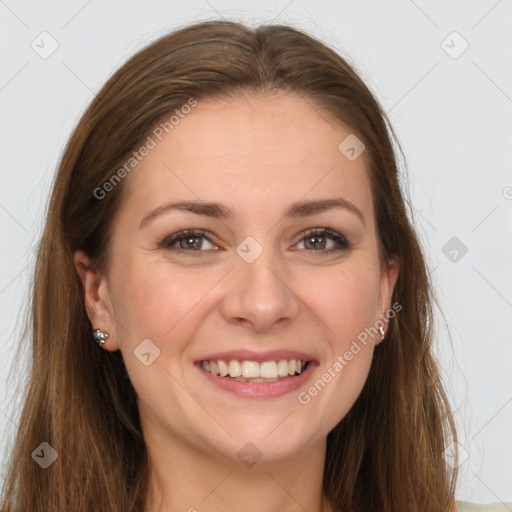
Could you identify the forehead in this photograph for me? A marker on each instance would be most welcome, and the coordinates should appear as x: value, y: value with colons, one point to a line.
x: 254, y: 152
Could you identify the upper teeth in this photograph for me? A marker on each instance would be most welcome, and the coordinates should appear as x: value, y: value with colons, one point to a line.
x: 253, y: 369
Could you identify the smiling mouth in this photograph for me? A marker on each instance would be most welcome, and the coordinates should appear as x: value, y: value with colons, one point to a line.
x: 253, y: 371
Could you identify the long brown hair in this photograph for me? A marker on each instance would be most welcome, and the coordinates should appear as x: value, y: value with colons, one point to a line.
x: 387, y: 452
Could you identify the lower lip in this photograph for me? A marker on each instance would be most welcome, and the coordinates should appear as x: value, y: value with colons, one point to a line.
x: 260, y: 389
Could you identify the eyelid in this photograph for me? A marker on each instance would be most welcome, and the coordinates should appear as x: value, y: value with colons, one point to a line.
x: 323, y: 231
x: 340, y: 239
x: 169, y: 240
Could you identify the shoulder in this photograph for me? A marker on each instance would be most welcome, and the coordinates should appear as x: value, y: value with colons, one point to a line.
x: 465, y: 506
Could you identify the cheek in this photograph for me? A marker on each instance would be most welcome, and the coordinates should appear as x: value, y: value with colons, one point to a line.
x: 158, y: 301
x: 345, y: 298
x: 162, y: 304
x: 346, y: 302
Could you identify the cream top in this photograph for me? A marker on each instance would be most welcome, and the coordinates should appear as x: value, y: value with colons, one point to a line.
x: 465, y: 506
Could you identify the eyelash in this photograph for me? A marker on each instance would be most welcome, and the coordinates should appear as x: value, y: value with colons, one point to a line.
x: 168, y: 241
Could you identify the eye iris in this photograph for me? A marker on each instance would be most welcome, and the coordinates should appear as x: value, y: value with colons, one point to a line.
x: 315, y: 244
x: 195, y: 245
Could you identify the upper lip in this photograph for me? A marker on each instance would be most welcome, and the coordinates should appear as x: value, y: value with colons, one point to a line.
x: 259, y: 357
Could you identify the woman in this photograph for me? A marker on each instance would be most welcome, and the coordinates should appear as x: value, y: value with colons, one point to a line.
x: 230, y: 304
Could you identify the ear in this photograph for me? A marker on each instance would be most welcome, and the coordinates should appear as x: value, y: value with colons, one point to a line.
x: 389, y: 276
x: 97, y: 301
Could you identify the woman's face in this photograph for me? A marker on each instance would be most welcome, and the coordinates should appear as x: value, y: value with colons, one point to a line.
x: 256, y: 281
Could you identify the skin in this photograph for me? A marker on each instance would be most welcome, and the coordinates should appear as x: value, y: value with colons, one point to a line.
x: 257, y: 155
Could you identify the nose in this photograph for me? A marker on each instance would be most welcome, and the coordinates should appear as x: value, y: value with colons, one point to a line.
x: 260, y: 295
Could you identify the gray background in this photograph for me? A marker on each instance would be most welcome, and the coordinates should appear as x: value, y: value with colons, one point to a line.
x: 451, y: 110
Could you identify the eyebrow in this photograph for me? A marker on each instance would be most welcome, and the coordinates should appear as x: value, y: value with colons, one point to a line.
x: 220, y: 211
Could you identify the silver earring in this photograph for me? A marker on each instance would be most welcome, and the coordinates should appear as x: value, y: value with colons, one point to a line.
x: 381, y: 329
x: 100, y: 336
